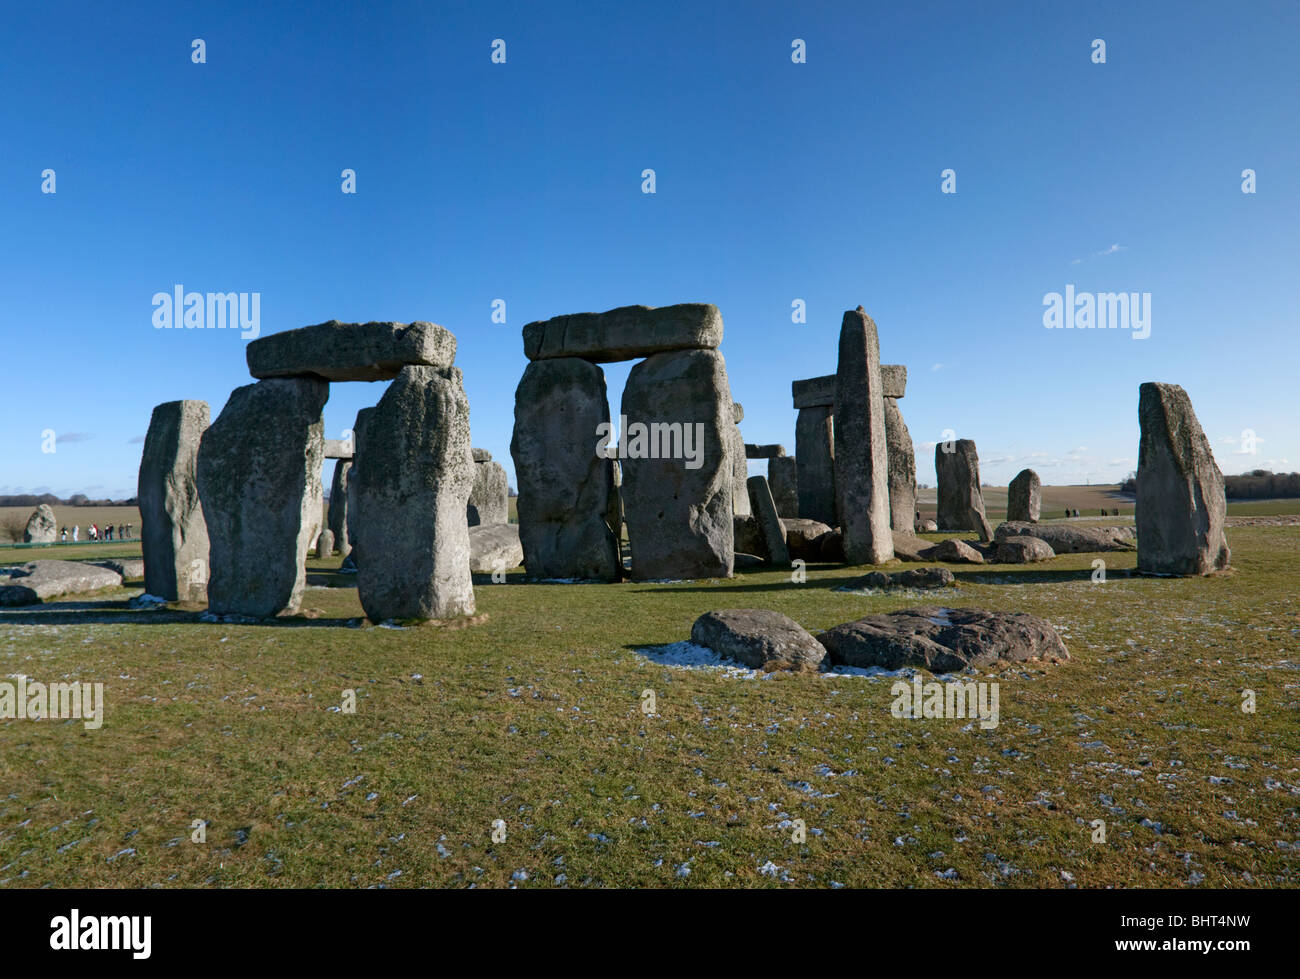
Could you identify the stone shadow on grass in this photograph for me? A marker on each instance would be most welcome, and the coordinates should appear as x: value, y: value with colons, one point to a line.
x: 119, y: 612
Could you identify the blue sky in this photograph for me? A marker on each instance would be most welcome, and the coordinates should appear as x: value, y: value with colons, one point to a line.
x: 775, y: 181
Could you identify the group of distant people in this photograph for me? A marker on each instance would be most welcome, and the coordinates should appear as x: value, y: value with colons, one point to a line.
x: 95, y: 532
x: 1105, y: 513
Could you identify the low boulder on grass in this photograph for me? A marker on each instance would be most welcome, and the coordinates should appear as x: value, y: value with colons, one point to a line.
x: 760, y: 638
x: 1023, y: 550
x: 954, y: 552
x: 923, y: 578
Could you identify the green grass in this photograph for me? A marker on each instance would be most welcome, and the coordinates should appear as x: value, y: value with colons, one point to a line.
x: 534, y: 718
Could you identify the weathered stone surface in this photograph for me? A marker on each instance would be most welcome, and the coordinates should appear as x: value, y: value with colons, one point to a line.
x: 926, y: 527
x: 760, y: 638
x: 753, y: 451
x: 481, y: 455
x: 813, y: 392
x: 39, y: 581
x: 861, y: 458
x: 909, y: 547
x: 337, y: 517
x: 130, y: 568
x: 338, y: 351
x: 41, y: 526
x: 769, y: 524
x: 1180, y: 497
x: 1025, y: 497
x: 173, y: 533
x: 413, y: 485
x: 783, y: 480
x: 747, y: 538
x: 737, y: 412
x: 358, y: 435
x: 902, y: 469
x: 922, y: 578
x: 961, y: 502
x: 802, y: 536
x: 814, y: 436
x: 564, y: 486
x: 831, y: 546
x: 943, y: 639
x: 626, y: 333
x: 1070, y: 539
x: 893, y: 380
x: 953, y: 551
x: 495, y: 548
x: 739, y: 466
x: 1023, y: 550
x: 338, y: 449
x: 489, y: 499
x: 325, y: 544
x: 679, y: 510
x: 258, y: 475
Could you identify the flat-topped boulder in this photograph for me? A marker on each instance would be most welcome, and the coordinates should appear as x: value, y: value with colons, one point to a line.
x: 1070, y: 539
x: 753, y: 451
x: 760, y: 638
x: 943, y: 639
x: 625, y: 333
x: 39, y: 581
x: 953, y: 551
x: 1023, y: 550
x: 337, y: 351
x: 495, y: 548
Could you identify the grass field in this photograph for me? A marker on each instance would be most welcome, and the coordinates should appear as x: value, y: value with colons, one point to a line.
x: 534, y: 717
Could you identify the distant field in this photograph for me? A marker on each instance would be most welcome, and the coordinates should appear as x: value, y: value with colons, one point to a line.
x: 15, y: 517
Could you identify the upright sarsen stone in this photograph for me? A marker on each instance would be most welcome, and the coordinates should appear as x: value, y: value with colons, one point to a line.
x: 41, y: 526
x: 565, y: 487
x: 1181, y: 505
x: 902, y: 470
x: 489, y: 499
x: 358, y: 436
x: 861, y: 457
x: 259, y: 483
x: 337, y: 515
x: 814, y: 438
x: 961, y: 501
x: 769, y: 522
x: 1025, y: 497
x: 173, y: 534
x: 677, y: 470
x: 740, y: 505
x: 413, y: 485
x: 783, y: 480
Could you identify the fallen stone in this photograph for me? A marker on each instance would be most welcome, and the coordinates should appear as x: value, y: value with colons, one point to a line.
x: 258, y: 475
x: 39, y: 581
x: 802, y: 536
x: 961, y: 502
x: 760, y: 638
x: 495, y: 548
x: 1023, y: 550
x: 626, y: 333
x: 489, y: 498
x: 953, y: 551
x: 565, y: 488
x: 412, y: 489
x: 861, y: 457
x: 1070, y: 539
x: 41, y: 526
x: 130, y: 568
x: 1181, y: 505
x: 1025, y: 497
x: 920, y: 578
x: 769, y: 524
x: 679, y: 518
x: 942, y: 640
x: 338, y: 351
x: 909, y: 547
x: 927, y: 527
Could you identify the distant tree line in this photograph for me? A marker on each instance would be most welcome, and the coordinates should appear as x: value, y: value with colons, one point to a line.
x: 77, y: 499
x: 1258, y: 484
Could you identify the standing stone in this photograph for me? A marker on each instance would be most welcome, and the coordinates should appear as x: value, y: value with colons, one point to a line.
x: 412, y: 488
x: 259, y: 482
x: 861, y: 457
x: 814, y: 438
x: 173, y: 534
x: 1180, y: 497
x: 564, y: 484
x: 337, y: 517
x: 41, y: 526
x: 783, y: 480
x: 325, y: 545
x: 489, y: 499
x: 769, y: 523
x: 961, y: 502
x: 1025, y: 497
x: 902, y: 470
x: 739, y: 465
x: 678, y: 470
x: 358, y: 435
